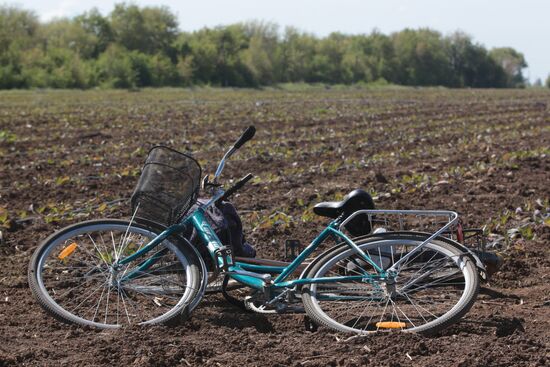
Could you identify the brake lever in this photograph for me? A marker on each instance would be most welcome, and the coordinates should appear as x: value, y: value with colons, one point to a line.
x: 206, y: 183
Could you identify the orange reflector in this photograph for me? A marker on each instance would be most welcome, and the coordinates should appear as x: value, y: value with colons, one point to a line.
x: 67, y: 251
x: 390, y: 325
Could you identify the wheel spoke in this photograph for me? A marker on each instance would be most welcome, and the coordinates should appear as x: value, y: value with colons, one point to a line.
x: 97, y: 249
x: 426, y: 288
x: 88, y: 289
x: 101, y: 286
x: 403, y: 313
x: 86, y: 281
x: 124, y: 241
x: 124, y: 304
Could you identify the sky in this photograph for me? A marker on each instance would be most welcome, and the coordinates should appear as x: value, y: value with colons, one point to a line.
x: 523, y: 25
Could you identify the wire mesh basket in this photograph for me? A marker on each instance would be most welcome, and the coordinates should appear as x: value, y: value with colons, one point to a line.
x: 168, y: 186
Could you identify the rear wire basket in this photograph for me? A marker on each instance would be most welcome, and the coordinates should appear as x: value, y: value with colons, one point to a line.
x: 168, y: 186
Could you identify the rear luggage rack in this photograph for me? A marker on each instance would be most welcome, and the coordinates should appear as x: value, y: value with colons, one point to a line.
x: 436, y: 222
x: 374, y: 216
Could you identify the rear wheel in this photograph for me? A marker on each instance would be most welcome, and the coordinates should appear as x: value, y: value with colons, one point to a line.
x: 431, y: 290
x: 74, y: 276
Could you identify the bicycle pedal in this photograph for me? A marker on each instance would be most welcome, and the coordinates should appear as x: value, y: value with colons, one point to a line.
x: 286, y: 309
x: 294, y: 247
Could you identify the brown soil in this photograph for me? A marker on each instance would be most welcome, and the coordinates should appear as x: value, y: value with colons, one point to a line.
x: 482, y: 153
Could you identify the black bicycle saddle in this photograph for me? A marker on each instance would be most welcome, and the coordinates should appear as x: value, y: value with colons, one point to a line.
x: 355, y: 200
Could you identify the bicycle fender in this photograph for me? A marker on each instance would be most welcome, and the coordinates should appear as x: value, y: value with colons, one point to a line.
x: 479, y: 264
x: 204, y: 273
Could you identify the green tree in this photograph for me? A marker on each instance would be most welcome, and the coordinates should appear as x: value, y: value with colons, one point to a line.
x: 296, y: 52
x: 217, y: 55
x: 163, y: 71
x: 141, y: 46
x: 421, y: 58
x: 379, y: 56
x: 548, y: 81
x: 99, y: 27
x: 230, y: 71
x: 460, y: 50
x: 355, y: 63
x: 198, y: 56
x: 148, y: 30
x: 185, y: 70
x: 258, y: 62
x: 116, y: 69
x: 471, y: 64
x: 327, y: 62
x: 513, y: 62
x: 18, y: 30
x: 55, y: 68
x: 17, y: 27
x: 71, y: 35
x: 261, y: 55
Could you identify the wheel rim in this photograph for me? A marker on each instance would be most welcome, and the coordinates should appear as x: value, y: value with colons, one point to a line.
x: 82, y: 282
x: 430, y: 286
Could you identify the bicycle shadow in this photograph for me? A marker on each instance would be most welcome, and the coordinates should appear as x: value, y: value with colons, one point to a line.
x: 494, y: 294
x: 499, y: 326
x: 483, y: 324
x: 233, y: 317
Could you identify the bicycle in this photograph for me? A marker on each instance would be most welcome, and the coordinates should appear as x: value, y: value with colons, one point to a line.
x: 111, y: 273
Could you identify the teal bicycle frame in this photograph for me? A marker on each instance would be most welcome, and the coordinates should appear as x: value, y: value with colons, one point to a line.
x: 255, y: 276
x: 260, y: 276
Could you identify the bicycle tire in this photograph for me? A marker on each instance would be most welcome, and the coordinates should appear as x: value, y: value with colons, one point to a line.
x: 439, y: 249
x: 178, y: 273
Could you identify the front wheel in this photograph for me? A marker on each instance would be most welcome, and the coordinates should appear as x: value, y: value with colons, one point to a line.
x: 74, y: 276
x: 432, y: 289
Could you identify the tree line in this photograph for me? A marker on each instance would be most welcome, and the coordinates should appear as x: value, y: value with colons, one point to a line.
x: 142, y: 46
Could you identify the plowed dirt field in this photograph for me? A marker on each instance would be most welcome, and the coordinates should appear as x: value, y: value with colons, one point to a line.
x: 69, y: 156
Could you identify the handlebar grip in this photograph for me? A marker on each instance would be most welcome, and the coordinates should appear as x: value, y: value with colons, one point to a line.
x: 235, y: 187
x: 246, y: 136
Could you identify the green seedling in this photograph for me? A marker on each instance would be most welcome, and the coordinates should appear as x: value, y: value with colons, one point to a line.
x: 7, y: 137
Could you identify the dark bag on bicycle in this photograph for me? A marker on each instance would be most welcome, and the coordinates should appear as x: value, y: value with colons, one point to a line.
x: 225, y: 221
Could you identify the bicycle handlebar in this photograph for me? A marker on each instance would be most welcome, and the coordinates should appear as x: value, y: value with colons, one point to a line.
x: 246, y: 136
x: 238, y: 185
